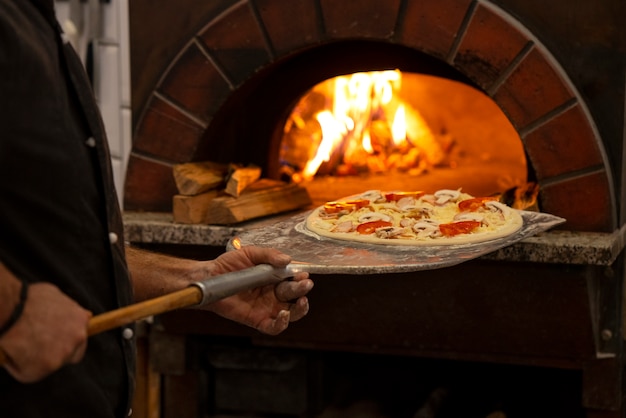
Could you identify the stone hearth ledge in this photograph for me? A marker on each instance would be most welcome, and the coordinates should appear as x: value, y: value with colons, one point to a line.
x: 560, y: 247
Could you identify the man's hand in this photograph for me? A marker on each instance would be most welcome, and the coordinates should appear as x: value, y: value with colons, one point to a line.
x: 269, y: 309
x: 51, y: 332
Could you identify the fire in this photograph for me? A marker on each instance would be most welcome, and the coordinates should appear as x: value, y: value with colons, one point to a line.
x: 358, y: 123
x: 398, y: 128
x: 333, y: 132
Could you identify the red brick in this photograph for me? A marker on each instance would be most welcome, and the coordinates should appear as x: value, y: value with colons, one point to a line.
x: 236, y: 41
x: 293, y: 25
x: 489, y: 46
x: 165, y: 133
x: 585, y: 202
x: 356, y: 19
x: 431, y: 25
x: 532, y: 90
x: 149, y: 187
x: 195, y: 84
x: 562, y: 145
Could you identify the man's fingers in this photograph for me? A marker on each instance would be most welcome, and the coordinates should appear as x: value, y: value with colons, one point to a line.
x: 290, y: 290
x: 275, y: 326
x: 78, y: 354
x: 299, y: 309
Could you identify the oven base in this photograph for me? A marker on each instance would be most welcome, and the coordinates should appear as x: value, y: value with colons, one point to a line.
x: 481, y: 312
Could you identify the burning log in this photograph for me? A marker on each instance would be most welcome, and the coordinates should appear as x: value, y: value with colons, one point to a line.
x: 422, y: 137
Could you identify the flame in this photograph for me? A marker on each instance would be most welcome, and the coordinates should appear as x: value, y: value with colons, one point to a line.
x: 398, y: 127
x: 367, y: 142
x: 332, y: 134
x: 365, y: 123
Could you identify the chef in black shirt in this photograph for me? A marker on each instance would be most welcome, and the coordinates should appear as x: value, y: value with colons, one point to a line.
x: 62, y: 255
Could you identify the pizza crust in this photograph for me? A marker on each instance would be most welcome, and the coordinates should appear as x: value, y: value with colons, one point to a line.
x: 493, y: 226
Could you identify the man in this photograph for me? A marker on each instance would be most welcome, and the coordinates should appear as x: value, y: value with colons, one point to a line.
x: 62, y: 256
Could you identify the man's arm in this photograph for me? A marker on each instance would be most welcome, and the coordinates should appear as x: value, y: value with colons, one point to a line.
x: 155, y: 274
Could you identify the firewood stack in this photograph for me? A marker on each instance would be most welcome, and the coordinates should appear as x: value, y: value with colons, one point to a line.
x: 226, y: 194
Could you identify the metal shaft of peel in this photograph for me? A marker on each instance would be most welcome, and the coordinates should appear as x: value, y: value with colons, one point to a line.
x: 220, y: 287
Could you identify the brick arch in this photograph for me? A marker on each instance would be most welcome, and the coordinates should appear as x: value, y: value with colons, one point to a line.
x: 476, y: 38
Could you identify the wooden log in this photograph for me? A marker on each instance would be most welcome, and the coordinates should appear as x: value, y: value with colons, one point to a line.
x: 262, y: 198
x: 193, y: 209
x: 195, y: 178
x: 240, y: 178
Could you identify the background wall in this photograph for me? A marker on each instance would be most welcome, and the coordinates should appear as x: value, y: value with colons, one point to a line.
x: 99, y: 33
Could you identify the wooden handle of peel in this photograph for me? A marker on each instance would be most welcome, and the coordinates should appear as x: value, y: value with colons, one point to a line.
x: 184, y: 298
x: 189, y: 296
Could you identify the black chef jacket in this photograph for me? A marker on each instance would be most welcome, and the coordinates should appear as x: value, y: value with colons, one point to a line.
x: 59, y: 216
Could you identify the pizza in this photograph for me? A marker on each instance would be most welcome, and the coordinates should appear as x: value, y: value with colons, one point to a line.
x: 445, y: 217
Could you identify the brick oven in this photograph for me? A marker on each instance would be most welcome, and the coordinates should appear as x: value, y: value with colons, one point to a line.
x: 217, y: 80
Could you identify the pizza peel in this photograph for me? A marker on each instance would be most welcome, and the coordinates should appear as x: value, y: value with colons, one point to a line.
x: 315, y: 255
x: 322, y: 255
x: 197, y: 294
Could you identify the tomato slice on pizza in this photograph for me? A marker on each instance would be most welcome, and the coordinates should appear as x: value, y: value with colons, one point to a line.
x: 348, y: 205
x: 457, y: 228
x: 395, y: 196
x: 371, y: 226
x: 475, y: 203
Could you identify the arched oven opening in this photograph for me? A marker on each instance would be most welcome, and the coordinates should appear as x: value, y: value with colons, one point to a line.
x: 451, y: 134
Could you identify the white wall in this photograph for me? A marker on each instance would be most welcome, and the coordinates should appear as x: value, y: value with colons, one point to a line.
x: 106, y: 24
